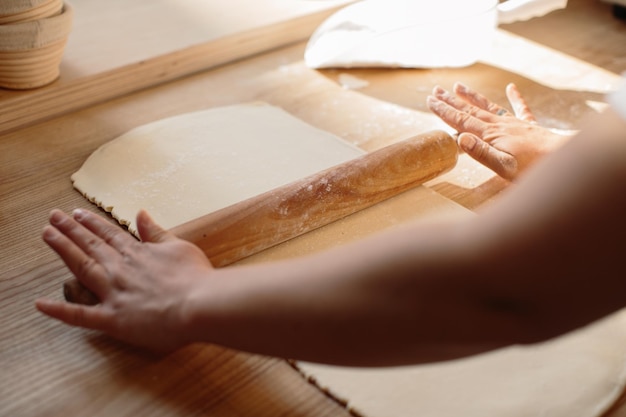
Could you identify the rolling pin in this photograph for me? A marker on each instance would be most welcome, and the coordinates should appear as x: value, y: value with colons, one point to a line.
x: 250, y: 226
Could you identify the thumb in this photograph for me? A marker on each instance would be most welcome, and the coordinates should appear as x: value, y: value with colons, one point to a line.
x: 150, y: 231
x: 502, y: 163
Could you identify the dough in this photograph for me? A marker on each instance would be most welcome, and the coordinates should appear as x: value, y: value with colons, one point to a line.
x: 189, y: 165
x: 580, y: 374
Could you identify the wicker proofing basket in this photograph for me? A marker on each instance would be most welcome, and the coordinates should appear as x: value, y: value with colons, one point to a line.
x: 31, y: 52
x: 18, y: 11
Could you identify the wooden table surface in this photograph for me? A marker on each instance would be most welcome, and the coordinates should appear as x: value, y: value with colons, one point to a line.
x: 36, y: 162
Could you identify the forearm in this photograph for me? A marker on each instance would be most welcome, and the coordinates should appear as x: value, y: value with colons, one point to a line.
x: 396, y: 298
x: 537, y: 263
x: 557, y: 236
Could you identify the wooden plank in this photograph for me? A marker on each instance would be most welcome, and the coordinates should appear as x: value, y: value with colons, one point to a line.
x: 119, y: 47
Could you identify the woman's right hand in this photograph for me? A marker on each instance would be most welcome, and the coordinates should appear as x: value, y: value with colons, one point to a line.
x: 142, y: 287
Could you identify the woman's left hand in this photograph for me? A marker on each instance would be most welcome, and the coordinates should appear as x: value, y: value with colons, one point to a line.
x: 507, y: 143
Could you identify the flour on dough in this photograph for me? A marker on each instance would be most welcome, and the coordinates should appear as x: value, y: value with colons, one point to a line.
x: 186, y: 166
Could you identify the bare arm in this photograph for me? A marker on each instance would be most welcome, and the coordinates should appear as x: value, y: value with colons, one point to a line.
x: 543, y: 260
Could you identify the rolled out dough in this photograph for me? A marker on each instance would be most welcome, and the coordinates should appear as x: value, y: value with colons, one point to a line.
x: 183, y: 167
x: 580, y: 374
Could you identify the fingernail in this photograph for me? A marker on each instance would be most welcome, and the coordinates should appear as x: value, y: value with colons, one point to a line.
x: 467, y: 142
x: 48, y: 232
x: 461, y: 87
x: 438, y: 90
x: 56, y: 216
x: 78, y: 214
x: 432, y: 101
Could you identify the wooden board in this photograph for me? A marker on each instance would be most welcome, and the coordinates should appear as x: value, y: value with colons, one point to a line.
x: 75, y: 372
x: 117, y: 47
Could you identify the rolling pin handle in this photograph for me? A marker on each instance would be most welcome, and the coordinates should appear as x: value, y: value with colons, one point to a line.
x: 75, y: 292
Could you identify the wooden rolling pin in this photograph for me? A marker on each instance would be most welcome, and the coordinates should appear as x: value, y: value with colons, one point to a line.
x: 255, y: 224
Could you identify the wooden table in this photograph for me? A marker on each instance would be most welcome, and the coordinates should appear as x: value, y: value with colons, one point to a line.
x: 49, y: 369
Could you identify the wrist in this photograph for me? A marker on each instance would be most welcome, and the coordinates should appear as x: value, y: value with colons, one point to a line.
x: 195, y: 311
x: 213, y: 307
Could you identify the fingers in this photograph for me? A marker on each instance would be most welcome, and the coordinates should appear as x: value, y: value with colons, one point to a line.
x: 457, y: 119
x: 113, y: 235
x: 149, y: 231
x: 460, y: 103
x: 498, y: 161
x: 479, y: 100
x: 61, y: 236
x: 521, y: 109
x: 91, y: 317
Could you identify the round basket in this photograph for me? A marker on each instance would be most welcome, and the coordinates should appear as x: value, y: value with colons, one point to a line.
x: 18, y: 11
x: 31, y: 52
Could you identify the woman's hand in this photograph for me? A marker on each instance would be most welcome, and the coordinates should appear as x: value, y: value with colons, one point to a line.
x: 505, y: 142
x: 142, y: 286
